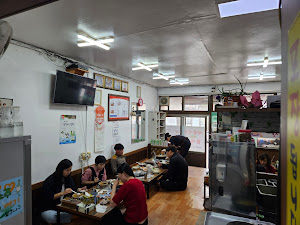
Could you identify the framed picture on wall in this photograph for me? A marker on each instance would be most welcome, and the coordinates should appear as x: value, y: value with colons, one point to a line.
x: 109, y: 83
x: 138, y: 92
x: 117, y: 85
x: 6, y: 102
x: 118, y: 107
x: 98, y: 97
x: 100, y: 80
x: 124, y: 86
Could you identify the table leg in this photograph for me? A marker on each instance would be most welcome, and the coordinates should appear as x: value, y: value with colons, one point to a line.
x: 58, y: 217
x: 147, y: 190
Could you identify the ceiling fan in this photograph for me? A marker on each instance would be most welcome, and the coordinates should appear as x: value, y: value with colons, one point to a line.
x: 5, y: 36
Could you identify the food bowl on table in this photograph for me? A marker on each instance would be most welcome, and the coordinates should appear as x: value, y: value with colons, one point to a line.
x: 135, y: 167
x: 103, y: 184
x: 77, y: 195
x: 155, y: 170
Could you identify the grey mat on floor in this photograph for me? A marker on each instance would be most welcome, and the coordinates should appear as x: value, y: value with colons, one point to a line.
x: 201, y: 218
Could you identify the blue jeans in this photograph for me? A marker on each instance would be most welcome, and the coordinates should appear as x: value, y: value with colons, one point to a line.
x: 50, y: 216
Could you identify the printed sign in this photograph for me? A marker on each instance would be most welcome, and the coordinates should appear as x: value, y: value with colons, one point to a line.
x: 197, y: 138
x: 293, y: 125
x: 11, y: 198
x: 118, y: 107
x: 67, y: 134
x: 99, y: 129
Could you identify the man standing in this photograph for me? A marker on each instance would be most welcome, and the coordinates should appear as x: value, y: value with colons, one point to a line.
x: 177, y: 175
x: 182, y: 143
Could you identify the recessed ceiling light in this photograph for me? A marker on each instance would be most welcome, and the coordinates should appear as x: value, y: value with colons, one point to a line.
x: 265, y: 63
x: 161, y: 76
x: 142, y: 66
x: 102, y: 43
x: 242, y: 7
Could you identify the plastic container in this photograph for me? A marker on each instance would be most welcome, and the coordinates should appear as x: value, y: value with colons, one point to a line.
x: 221, y: 172
x: 244, y: 135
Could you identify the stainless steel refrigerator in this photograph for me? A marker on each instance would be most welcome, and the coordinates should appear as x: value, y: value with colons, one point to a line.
x: 15, y: 181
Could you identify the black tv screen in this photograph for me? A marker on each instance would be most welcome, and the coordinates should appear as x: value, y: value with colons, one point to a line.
x: 74, y: 89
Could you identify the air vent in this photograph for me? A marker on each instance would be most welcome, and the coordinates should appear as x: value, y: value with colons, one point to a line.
x: 164, y: 101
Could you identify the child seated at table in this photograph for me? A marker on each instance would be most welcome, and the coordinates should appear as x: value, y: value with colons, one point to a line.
x: 265, y: 164
x: 118, y: 158
x: 94, y: 174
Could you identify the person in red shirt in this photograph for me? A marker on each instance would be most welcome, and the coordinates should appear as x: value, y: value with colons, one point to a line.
x: 133, y: 195
x: 265, y: 164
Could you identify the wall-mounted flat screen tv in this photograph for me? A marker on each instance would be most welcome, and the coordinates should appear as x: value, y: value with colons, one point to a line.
x: 74, y: 89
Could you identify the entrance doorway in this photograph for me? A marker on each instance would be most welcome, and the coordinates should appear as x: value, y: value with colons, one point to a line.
x: 195, y: 128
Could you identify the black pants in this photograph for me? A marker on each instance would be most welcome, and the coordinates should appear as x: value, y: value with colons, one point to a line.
x: 172, y: 186
x: 116, y: 218
x: 184, y: 149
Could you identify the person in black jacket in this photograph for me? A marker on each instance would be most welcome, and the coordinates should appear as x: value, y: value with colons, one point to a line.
x: 177, y: 176
x: 182, y: 143
x: 55, y: 187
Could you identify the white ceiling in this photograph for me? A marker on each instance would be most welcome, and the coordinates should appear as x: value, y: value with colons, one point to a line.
x: 185, y: 37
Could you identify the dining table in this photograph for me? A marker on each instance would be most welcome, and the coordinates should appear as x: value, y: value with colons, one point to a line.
x: 149, y: 180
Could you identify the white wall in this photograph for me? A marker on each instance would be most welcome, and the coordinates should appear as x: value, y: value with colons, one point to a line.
x: 28, y: 78
x: 207, y: 90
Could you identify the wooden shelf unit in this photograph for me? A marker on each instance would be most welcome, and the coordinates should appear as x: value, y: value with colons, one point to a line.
x: 247, y: 110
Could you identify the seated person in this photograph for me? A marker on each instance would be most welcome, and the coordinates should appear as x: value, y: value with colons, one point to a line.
x: 94, y: 174
x: 265, y: 164
x: 133, y: 195
x: 55, y: 187
x: 117, y: 159
x: 182, y: 143
x: 176, y: 177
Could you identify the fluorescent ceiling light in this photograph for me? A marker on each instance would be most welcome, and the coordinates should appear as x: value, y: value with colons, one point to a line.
x: 261, y: 76
x: 274, y: 63
x: 180, y: 81
x: 161, y: 76
x: 265, y: 63
x: 90, y: 42
x: 145, y: 67
x: 242, y: 7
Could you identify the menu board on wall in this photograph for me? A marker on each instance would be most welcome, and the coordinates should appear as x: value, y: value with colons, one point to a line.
x: 118, y: 107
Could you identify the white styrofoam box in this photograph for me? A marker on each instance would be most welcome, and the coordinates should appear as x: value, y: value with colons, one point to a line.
x: 272, y: 98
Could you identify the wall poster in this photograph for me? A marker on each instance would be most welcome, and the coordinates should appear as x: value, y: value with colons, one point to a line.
x: 118, y: 107
x: 293, y: 131
x: 99, y: 129
x: 67, y: 130
x: 11, y: 198
x: 197, y: 138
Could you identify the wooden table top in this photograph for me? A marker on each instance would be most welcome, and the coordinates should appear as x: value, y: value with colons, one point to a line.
x: 153, y: 178
x: 92, y: 215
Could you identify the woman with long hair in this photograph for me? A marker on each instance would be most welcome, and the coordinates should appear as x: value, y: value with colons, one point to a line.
x: 55, y: 187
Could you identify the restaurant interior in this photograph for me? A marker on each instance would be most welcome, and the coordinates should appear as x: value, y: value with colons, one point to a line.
x: 80, y: 77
